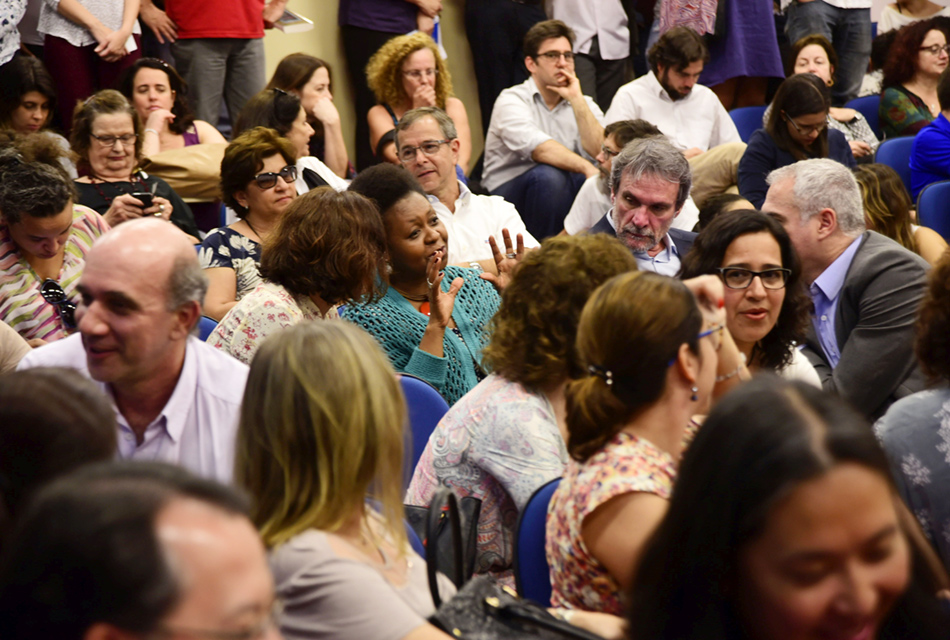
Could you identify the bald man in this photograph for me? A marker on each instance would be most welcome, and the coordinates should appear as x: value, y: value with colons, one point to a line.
x: 176, y: 399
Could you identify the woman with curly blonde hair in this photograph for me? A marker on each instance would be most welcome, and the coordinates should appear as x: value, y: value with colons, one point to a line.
x: 505, y: 438
x: 408, y: 72
x: 887, y: 208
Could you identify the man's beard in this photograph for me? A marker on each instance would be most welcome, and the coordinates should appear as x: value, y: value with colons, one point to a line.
x: 673, y: 93
x: 628, y: 235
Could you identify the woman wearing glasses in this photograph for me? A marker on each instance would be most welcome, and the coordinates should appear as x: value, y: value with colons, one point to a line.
x: 916, y: 59
x: 627, y: 419
x: 408, y: 72
x: 797, y: 129
x: 107, y: 138
x: 44, y: 238
x: 257, y: 181
x: 282, y: 112
x: 766, y: 304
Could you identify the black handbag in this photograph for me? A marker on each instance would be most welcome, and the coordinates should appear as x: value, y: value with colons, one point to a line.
x: 482, y: 609
x: 436, y: 536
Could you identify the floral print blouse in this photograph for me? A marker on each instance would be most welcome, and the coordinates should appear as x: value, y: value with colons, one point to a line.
x: 626, y: 464
x: 229, y: 249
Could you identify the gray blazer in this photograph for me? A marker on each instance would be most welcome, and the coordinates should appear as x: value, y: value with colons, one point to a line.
x: 874, y: 326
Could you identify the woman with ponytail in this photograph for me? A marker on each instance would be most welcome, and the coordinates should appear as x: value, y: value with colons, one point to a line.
x: 654, y: 349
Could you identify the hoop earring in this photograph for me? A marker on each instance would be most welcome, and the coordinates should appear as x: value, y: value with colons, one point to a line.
x: 695, y: 395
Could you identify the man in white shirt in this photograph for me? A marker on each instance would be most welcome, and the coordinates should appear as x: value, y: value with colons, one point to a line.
x: 689, y: 114
x: 176, y: 399
x: 544, y: 133
x: 427, y: 145
x: 602, y: 48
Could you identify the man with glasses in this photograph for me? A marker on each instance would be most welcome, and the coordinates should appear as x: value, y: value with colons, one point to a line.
x: 176, y: 399
x: 427, y: 145
x: 688, y: 113
x: 137, y: 550
x: 865, y: 287
x: 649, y: 184
x: 544, y: 133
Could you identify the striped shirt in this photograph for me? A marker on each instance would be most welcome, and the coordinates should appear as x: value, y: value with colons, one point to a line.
x: 21, y: 304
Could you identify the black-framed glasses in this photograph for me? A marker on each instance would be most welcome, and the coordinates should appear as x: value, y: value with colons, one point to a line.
x: 554, y: 56
x: 248, y: 633
x: 610, y: 153
x: 429, y: 147
x: 109, y: 141
x: 935, y: 49
x: 807, y: 129
x: 268, y: 180
x: 739, y: 278
x: 53, y: 293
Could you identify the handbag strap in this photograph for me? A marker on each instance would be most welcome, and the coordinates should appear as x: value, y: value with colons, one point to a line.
x: 444, y: 507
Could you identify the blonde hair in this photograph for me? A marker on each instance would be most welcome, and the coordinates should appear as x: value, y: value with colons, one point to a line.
x: 321, y: 430
x: 384, y: 71
x: 886, y: 203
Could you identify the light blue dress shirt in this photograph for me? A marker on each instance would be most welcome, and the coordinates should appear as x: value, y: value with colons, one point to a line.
x: 824, y: 293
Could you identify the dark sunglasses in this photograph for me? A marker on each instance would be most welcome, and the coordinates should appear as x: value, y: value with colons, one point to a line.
x: 54, y: 294
x: 269, y: 180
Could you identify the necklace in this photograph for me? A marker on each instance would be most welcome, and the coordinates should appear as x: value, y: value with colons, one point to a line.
x: 251, y: 227
x: 424, y: 308
x: 133, y: 179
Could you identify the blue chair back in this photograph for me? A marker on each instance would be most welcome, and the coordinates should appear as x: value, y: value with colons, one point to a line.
x: 933, y: 208
x: 532, y: 575
x: 426, y: 407
x: 895, y: 153
x: 868, y: 107
x: 205, y: 326
x: 747, y: 120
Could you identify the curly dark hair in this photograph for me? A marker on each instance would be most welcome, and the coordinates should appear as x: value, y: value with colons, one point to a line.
x: 245, y: 156
x: 901, y: 64
x: 19, y: 77
x: 272, y: 108
x: 184, y: 117
x: 799, y: 95
x: 933, y: 323
x: 544, y: 301
x: 328, y: 243
x: 677, y: 49
x: 776, y: 349
x: 33, y: 181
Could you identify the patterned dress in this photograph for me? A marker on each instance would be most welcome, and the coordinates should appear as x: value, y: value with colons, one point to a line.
x: 21, y: 304
x: 902, y: 113
x: 626, y: 464
x: 261, y: 313
x: 499, y: 443
x: 229, y: 249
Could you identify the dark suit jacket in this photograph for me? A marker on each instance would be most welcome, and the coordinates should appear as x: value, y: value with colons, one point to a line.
x: 874, y: 327
x: 682, y: 239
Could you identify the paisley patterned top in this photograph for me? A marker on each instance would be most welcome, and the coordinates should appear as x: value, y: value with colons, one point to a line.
x: 499, y: 443
x: 626, y: 464
x: 263, y: 312
x: 227, y: 248
x: 902, y: 113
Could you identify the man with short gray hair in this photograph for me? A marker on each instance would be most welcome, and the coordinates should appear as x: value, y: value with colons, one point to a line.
x: 865, y: 287
x: 649, y: 184
x: 176, y: 399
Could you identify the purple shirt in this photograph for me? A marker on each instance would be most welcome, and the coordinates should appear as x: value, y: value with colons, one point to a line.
x: 824, y: 293
x: 387, y: 16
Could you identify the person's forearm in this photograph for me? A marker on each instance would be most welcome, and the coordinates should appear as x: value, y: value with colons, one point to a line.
x: 75, y: 12
x: 334, y: 149
x: 151, y: 144
x: 557, y: 155
x: 592, y: 134
x: 432, y: 340
x: 130, y: 13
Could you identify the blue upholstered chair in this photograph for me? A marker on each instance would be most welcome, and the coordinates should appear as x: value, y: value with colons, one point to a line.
x: 532, y: 577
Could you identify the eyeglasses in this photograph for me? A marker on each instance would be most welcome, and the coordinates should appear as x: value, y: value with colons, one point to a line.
x: 935, y: 49
x: 54, y: 295
x: 109, y: 141
x: 249, y: 633
x: 717, y: 329
x: 807, y: 129
x: 429, y: 147
x: 554, y: 56
x: 417, y: 74
x: 738, y: 278
x: 610, y: 153
x: 269, y: 180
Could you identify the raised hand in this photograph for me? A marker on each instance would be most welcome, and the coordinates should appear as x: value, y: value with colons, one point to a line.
x: 441, y: 302
x: 505, y: 262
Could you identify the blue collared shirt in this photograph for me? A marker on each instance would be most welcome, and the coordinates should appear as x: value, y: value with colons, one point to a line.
x: 666, y: 262
x: 824, y: 293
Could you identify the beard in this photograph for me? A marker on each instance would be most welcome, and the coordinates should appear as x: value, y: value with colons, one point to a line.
x: 674, y: 94
x: 638, y: 239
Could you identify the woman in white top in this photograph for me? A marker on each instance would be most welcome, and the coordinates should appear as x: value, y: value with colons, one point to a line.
x: 765, y: 298
x: 904, y: 12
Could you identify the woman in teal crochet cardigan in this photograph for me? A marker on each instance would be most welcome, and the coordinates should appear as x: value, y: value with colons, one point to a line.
x: 433, y: 319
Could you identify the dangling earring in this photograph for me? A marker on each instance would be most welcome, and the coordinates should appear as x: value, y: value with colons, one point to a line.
x: 695, y: 395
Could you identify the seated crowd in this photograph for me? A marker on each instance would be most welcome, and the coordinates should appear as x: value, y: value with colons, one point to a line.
x: 689, y: 335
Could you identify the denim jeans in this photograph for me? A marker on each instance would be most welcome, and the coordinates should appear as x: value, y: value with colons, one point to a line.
x: 849, y: 30
x: 543, y: 195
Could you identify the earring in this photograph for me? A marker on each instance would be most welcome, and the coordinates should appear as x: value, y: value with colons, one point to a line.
x: 695, y: 395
